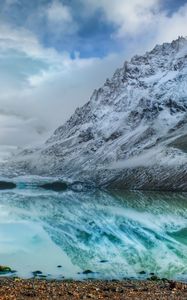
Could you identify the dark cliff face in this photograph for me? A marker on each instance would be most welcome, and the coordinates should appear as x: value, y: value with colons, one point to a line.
x: 130, y: 132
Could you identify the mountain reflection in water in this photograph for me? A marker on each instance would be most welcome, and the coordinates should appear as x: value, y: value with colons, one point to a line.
x: 115, y: 235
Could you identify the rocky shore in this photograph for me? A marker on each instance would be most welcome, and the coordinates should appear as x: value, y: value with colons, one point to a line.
x: 20, y: 289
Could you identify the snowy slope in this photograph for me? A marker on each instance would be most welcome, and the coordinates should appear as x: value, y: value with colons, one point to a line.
x: 131, y: 134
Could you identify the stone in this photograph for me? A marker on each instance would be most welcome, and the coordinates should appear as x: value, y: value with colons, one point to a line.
x: 56, y: 186
x: 6, y: 185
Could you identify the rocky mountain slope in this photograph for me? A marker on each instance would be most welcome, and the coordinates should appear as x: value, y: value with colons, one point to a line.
x: 131, y: 134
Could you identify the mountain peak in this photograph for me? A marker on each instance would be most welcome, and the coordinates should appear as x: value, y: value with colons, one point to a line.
x: 175, y: 44
x: 132, y: 131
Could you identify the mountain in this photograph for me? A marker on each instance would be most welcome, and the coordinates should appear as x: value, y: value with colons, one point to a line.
x: 132, y: 133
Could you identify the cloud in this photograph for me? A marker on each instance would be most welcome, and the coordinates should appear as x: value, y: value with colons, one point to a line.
x: 147, y: 18
x: 131, y: 17
x: 41, y: 85
x: 41, y: 88
x: 60, y: 20
x: 168, y: 28
x: 25, y: 41
x: 58, y: 12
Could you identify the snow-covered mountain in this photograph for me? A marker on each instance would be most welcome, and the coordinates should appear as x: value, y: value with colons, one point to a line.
x: 131, y: 134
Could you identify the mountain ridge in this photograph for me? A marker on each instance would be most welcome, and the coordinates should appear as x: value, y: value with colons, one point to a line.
x: 132, y: 132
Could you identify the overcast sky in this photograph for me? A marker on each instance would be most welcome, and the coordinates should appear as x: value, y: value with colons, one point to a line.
x: 54, y: 53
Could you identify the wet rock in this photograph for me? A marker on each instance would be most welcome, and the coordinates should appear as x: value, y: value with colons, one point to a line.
x: 92, y: 296
x: 5, y: 269
x: 164, y: 279
x: 6, y: 185
x: 172, y: 285
x: 36, y: 273
x: 56, y: 186
x: 29, y: 293
x: 154, y: 278
x: 143, y: 273
x: 113, y: 289
x: 87, y: 272
x: 119, y: 290
x: 42, y: 276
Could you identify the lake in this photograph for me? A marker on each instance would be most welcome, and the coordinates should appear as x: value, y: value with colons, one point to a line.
x: 115, y: 235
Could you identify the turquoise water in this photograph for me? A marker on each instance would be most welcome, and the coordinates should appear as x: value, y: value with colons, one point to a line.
x: 115, y: 235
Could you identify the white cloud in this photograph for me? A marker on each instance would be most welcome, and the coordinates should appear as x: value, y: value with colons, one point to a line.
x: 168, y: 28
x: 25, y: 41
x: 130, y: 16
x: 145, y: 18
x: 40, y: 88
x: 57, y: 12
x: 60, y: 20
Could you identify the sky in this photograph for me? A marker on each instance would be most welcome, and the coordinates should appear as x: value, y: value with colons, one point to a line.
x: 54, y: 53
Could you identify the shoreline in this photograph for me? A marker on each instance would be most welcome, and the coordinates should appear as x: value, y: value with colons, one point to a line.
x: 42, y: 289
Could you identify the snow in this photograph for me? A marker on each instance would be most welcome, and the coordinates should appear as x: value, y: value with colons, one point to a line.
x: 129, y: 122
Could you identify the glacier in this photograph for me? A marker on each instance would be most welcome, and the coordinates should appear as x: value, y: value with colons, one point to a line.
x: 131, y: 134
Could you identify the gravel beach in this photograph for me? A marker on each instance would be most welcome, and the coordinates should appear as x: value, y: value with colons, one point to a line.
x: 35, y: 289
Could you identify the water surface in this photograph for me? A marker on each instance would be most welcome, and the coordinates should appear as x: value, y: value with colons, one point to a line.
x: 115, y: 235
